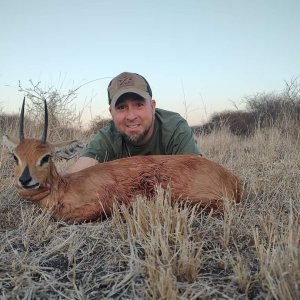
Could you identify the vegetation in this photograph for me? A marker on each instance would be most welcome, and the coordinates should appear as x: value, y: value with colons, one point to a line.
x: 97, y: 123
x: 263, y: 110
x: 64, y: 122
x: 158, y: 251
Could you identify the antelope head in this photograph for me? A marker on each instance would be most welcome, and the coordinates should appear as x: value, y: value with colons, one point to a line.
x: 34, y: 157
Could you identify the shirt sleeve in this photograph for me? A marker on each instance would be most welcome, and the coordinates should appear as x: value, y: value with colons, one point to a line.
x: 183, y: 140
x: 96, y: 148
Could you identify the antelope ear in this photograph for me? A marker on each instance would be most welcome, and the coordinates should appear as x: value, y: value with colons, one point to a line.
x: 10, y: 142
x: 67, y: 150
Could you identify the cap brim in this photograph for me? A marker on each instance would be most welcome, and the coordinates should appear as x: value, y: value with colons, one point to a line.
x: 128, y: 90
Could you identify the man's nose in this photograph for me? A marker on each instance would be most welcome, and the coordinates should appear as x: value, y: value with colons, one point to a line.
x: 131, y: 114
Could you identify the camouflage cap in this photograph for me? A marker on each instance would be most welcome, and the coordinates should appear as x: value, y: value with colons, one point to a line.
x: 128, y: 83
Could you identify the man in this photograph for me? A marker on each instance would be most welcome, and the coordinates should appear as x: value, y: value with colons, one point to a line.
x: 137, y: 128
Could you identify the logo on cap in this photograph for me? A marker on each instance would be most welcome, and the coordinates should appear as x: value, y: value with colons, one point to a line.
x: 124, y: 81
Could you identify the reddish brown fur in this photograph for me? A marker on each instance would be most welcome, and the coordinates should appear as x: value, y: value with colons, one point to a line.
x: 89, y: 194
x: 29, y: 151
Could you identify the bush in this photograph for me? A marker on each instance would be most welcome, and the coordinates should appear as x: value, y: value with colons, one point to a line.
x: 64, y: 122
x: 273, y: 107
x: 263, y: 110
x: 8, y: 122
x: 97, y: 123
x: 238, y: 122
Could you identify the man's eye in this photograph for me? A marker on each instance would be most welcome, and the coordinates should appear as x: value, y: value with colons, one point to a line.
x: 120, y: 107
x: 140, y: 104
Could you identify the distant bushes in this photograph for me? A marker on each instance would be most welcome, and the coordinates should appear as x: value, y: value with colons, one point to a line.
x: 97, y: 123
x: 8, y: 122
x: 262, y: 110
x: 63, y: 121
x: 238, y: 122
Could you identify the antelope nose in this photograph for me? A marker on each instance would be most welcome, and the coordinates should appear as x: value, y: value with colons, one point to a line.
x: 25, y: 178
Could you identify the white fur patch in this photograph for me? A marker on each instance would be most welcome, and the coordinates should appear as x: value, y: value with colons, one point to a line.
x: 10, y: 143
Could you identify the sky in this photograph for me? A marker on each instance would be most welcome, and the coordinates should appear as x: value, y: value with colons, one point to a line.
x: 199, y: 56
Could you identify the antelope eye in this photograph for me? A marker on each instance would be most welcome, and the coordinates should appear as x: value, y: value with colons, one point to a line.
x: 16, y: 159
x: 45, y: 159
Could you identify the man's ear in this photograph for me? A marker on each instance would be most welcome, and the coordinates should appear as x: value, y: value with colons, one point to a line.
x: 153, y: 105
x: 67, y: 150
x: 10, y: 142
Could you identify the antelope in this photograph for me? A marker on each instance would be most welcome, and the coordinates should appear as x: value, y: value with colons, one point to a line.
x: 90, y: 194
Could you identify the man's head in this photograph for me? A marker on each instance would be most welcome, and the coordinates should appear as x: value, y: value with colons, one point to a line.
x: 128, y: 83
x: 132, y: 107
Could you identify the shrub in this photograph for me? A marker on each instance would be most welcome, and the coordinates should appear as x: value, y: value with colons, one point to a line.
x: 8, y: 122
x: 273, y: 107
x: 64, y: 121
x: 263, y: 110
x: 238, y: 122
x: 97, y: 123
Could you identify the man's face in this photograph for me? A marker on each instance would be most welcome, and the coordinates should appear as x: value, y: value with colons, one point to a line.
x: 134, y: 118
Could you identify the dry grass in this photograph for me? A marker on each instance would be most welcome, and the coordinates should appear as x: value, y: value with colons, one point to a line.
x: 159, y: 251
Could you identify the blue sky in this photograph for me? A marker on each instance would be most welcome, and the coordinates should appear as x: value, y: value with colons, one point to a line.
x: 206, y: 54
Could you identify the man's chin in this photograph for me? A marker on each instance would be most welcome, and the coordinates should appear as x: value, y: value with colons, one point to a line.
x: 136, y: 137
x: 132, y: 140
x: 135, y: 140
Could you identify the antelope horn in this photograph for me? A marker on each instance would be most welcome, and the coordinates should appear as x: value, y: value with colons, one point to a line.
x: 21, y: 122
x: 44, y: 137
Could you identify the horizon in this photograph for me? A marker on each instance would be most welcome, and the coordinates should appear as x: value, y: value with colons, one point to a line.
x: 199, y: 57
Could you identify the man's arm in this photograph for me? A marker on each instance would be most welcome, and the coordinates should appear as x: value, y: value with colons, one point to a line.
x: 82, y: 163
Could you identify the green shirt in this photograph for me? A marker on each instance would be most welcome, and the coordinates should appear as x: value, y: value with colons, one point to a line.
x: 172, y: 135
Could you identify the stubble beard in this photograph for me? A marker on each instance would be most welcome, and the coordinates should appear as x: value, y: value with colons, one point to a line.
x: 136, y: 140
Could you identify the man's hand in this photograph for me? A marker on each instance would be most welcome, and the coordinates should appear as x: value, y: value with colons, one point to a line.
x: 82, y: 163
x: 34, y: 195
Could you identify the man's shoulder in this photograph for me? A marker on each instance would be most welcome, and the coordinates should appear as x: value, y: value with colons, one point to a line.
x: 167, y: 117
x: 170, y: 124
x: 176, y: 135
x: 109, y: 130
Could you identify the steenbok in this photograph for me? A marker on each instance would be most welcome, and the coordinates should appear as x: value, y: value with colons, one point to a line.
x: 90, y: 193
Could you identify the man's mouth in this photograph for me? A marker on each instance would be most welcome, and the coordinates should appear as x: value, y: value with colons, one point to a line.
x: 133, y: 126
